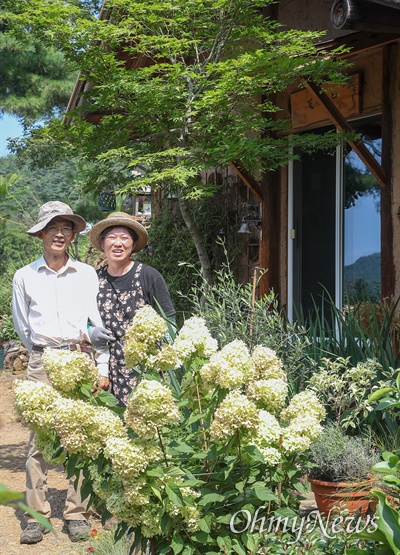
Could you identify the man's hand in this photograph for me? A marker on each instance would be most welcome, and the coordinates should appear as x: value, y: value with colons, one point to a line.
x: 100, y: 337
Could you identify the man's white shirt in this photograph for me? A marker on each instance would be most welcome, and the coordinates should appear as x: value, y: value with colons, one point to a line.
x: 53, y: 308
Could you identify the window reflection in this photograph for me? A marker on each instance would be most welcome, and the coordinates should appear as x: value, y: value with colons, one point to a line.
x: 362, y: 247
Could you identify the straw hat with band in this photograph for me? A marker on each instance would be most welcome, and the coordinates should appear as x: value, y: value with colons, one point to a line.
x: 117, y: 219
x: 56, y: 209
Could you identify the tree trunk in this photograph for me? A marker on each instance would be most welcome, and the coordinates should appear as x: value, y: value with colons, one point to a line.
x: 196, y: 236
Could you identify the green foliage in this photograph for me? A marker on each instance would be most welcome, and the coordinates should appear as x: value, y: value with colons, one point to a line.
x: 344, y: 390
x: 316, y: 536
x: 104, y: 543
x: 36, y: 79
x: 341, y: 458
x: 367, y: 330
x: 387, y: 535
x: 172, y: 252
x: 202, y: 99
x: 7, y: 330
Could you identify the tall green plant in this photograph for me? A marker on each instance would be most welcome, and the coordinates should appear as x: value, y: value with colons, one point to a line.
x: 368, y: 330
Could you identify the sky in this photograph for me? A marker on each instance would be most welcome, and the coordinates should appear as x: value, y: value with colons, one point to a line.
x: 9, y: 127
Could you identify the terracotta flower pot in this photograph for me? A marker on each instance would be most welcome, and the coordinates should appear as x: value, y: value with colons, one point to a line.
x: 353, y: 496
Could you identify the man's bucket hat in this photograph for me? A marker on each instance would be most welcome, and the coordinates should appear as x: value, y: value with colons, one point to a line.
x: 54, y: 209
x: 117, y: 219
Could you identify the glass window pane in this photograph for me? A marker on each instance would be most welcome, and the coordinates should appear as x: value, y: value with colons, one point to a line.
x: 362, y: 233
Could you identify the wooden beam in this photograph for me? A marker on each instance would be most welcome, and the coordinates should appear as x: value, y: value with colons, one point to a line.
x: 250, y: 181
x: 342, y: 124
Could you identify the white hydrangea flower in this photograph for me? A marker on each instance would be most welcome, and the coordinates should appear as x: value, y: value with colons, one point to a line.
x: 269, y: 394
x: 128, y: 460
x: 85, y: 428
x: 166, y: 358
x: 292, y: 442
x: 67, y: 369
x: 137, y: 352
x: 307, y: 425
x: 268, y: 431
x: 34, y: 403
x: 147, y: 326
x: 150, y: 405
x: 236, y: 412
x: 303, y: 404
x: 194, y: 339
x: 150, y: 520
x: 230, y: 367
x: 143, y: 335
x: 267, y: 363
x: 138, y: 491
x: 271, y: 455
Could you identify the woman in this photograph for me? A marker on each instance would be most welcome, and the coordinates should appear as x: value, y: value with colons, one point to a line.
x: 125, y: 285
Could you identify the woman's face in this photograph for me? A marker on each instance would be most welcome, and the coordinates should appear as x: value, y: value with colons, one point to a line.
x: 118, y: 244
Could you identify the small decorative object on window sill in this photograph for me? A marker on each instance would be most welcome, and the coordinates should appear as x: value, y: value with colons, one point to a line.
x: 106, y: 201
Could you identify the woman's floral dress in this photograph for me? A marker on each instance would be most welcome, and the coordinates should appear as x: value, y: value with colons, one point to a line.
x: 118, y: 299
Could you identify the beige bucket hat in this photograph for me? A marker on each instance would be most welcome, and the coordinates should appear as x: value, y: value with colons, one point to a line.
x: 54, y: 209
x: 119, y: 219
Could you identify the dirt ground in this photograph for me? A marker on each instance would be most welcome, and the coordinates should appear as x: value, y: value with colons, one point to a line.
x: 13, y: 449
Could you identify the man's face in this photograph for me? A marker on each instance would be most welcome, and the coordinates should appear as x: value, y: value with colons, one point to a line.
x: 57, y: 235
x: 118, y: 244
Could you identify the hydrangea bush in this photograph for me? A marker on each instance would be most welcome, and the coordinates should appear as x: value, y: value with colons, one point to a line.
x: 187, y: 458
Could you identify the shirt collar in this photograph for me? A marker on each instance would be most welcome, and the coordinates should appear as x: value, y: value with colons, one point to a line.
x: 71, y: 264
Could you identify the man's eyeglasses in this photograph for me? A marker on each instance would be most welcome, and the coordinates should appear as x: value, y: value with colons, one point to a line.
x: 53, y: 229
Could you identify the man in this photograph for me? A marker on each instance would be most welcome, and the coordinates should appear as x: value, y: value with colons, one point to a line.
x: 125, y: 285
x: 54, y: 298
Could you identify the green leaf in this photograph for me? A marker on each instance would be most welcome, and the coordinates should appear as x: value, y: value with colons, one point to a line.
x: 156, y: 492
x: 225, y: 543
x: 255, y: 453
x: 249, y: 541
x: 156, y: 472
x: 194, y: 418
x: 263, y: 493
x: 188, y: 550
x: 238, y: 547
x: 174, y: 494
x: 177, y: 543
x: 6, y: 495
x: 388, y: 521
x: 205, y: 523
x: 180, y: 447
x: 211, y: 498
x: 380, y: 393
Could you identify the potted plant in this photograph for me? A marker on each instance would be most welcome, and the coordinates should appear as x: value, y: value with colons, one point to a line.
x: 341, y: 474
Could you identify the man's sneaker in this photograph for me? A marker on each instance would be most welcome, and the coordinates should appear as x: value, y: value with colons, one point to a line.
x: 33, y: 533
x: 78, y: 530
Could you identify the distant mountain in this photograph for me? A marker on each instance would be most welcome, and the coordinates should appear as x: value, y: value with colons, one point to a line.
x: 367, y: 267
x: 363, y: 277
